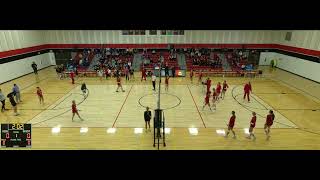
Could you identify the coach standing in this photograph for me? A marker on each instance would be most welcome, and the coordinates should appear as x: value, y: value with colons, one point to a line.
x: 34, y: 67
x: 147, y: 118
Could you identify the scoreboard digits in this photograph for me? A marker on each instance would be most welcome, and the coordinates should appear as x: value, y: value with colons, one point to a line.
x: 16, y: 135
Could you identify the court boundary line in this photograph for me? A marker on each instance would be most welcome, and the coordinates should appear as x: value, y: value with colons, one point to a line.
x: 49, y: 106
x: 125, y: 100
x: 297, y: 127
x: 281, y: 81
x: 62, y: 112
x: 196, y: 107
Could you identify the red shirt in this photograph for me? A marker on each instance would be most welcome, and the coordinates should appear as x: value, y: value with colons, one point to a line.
x: 167, y: 81
x: 218, y: 89
x: 253, y: 122
x: 269, y: 120
x: 247, y: 88
x: 143, y: 72
x: 200, y: 75
x: 74, y: 108
x: 208, y: 84
x: 39, y: 92
x: 207, y: 98
x: 231, y: 121
x: 225, y: 86
x: 72, y: 74
x: 214, y: 95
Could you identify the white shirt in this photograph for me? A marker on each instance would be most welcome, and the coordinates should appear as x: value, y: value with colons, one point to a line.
x: 153, y: 78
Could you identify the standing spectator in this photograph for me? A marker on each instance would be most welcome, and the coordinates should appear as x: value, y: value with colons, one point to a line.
x: 34, y: 67
x: 166, y: 70
x: 3, y: 101
x: 126, y: 72
x: 132, y: 73
x: 173, y: 71
x: 16, y: 92
x: 100, y: 74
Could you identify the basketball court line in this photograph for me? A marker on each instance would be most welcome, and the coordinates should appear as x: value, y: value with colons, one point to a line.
x: 196, y: 106
x: 277, y: 111
x: 56, y: 109
x: 47, y: 107
x: 122, y: 107
x: 297, y: 127
x: 247, y: 108
x: 299, y: 90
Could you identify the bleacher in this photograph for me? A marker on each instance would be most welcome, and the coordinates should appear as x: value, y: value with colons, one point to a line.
x: 154, y: 58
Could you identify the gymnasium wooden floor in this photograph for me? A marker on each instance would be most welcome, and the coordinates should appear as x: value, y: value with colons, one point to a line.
x: 296, y: 126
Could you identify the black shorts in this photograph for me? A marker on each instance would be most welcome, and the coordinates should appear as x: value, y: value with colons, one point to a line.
x: 147, y: 120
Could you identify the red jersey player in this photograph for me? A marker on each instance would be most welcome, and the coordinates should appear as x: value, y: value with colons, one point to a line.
x: 72, y: 76
x: 218, y: 90
x: 269, y: 122
x: 252, y: 125
x: 214, y: 98
x: 143, y: 74
x: 208, y: 83
x: 167, y: 83
x: 75, y: 110
x: 247, y: 89
x: 119, y: 84
x: 224, y: 89
x: 231, y: 124
x: 206, y: 101
x: 191, y: 75
x: 40, y: 95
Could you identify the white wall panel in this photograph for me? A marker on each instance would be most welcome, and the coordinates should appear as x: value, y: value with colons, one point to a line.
x: 309, y: 39
x: 191, y: 36
x: 21, y: 67
x: 295, y: 65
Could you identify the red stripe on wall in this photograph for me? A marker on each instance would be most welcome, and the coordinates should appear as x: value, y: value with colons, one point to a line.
x: 21, y: 51
x: 16, y: 52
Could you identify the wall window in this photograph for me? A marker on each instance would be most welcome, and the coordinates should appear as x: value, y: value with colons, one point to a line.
x: 125, y: 32
x: 153, y: 32
x: 172, y: 32
x: 133, y: 32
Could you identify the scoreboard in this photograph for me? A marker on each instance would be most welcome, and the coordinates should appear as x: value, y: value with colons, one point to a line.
x: 16, y: 135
